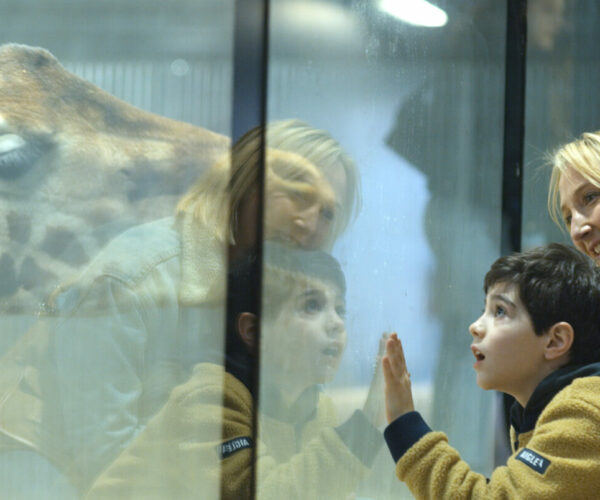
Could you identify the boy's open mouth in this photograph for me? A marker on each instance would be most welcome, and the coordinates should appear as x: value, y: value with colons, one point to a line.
x: 333, y: 350
x: 477, y: 353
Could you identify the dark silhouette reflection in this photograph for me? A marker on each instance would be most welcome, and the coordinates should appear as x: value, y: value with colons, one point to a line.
x: 85, y: 379
x: 451, y: 128
x: 184, y: 450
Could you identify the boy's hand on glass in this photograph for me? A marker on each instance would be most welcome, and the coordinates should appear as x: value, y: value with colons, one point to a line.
x: 374, y: 405
x: 398, y: 393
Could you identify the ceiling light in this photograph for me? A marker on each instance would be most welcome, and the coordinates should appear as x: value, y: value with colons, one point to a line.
x: 417, y: 12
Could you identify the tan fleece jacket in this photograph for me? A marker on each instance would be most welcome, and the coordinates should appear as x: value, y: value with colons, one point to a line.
x: 559, y: 459
x: 178, y: 455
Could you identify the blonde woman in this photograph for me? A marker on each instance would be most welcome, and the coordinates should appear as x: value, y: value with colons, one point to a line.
x: 574, y: 196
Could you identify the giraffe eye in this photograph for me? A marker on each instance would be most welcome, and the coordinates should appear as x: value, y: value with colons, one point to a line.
x: 18, y: 153
x: 10, y: 142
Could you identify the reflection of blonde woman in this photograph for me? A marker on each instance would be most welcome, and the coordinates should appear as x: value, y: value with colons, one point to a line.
x: 325, y: 153
x: 216, y: 196
x: 146, y: 308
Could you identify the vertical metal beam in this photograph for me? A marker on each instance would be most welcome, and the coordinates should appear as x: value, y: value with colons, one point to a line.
x: 514, y: 125
x: 250, y: 65
x: 514, y: 133
x: 249, y: 111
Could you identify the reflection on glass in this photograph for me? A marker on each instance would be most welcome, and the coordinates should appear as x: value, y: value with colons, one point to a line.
x: 321, y: 149
x: 78, y: 166
x: 560, y: 99
x: 149, y: 308
x: 299, y: 453
x: 131, y: 290
x: 417, y: 12
x: 95, y: 331
x: 306, y: 452
x: 420, y: 109
x: 450, y: 128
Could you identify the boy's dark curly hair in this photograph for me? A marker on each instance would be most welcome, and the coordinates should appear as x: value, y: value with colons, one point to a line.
x: 556, y: 283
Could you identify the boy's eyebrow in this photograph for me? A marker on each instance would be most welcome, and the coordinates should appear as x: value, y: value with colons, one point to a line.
x: 310, y: 291
x: 319, y: 291
x: 503, y: 298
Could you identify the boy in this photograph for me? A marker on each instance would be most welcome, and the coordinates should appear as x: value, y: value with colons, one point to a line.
x: 204, y: 432
x: 538, y: 340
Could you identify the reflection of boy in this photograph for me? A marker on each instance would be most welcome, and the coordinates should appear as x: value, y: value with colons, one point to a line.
x: 538, y: 340
x: 205, y: 429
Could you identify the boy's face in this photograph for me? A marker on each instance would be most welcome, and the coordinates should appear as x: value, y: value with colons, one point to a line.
x: 303, y: 344
x: 509, y: 355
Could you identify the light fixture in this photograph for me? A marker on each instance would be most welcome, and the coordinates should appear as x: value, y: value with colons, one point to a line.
x: 417, y: 12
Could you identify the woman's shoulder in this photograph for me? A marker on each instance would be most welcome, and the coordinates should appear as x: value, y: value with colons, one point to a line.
x: 127, y: 260
x: 137, y: 250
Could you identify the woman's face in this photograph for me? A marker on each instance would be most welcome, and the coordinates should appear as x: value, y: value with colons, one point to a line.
x: 306, y: 221
x: 580, y: 208
x: 289, y: 218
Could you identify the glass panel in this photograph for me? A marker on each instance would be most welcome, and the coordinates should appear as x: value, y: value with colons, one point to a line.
x: 416, y: 113
x: 108, y: 299
x: 562, y: 76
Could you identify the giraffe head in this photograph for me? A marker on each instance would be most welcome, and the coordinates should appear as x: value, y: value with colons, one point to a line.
x: 75, y: 160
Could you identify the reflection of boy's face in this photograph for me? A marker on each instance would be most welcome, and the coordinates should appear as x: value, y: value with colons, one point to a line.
x: 304, y: 342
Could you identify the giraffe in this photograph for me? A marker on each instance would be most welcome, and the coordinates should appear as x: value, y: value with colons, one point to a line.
x: 78, y: 166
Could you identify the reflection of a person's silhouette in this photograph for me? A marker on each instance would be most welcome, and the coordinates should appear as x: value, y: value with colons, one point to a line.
x: 462, y: 166
x: 300, y: 451
x: 147, y: 309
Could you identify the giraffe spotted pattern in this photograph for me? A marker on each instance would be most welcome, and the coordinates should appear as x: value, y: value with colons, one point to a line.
x: 77, y: 167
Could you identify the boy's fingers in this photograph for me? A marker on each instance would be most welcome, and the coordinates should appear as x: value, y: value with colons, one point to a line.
x: 401, y: 354
x: 387, y: 370
x: 392, y: 355
x: 398, y: 393
x: 390, y: 378
x: 396, y: 356
x: 392, y: 343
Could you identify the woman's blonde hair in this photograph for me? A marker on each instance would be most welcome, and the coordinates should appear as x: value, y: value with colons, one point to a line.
x: 583, y: 155
x: 326, y: 154
x: 216, y: 198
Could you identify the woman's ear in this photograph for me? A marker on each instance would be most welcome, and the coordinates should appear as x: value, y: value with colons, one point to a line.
x: 560, y: 339
x: 247, y: 325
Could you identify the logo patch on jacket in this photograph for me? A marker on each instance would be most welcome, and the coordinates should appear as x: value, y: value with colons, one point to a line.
x: 533, y: 460
x: 232, y: 446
